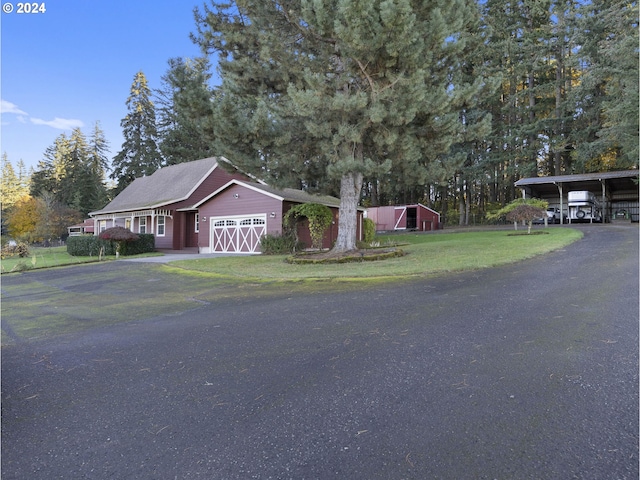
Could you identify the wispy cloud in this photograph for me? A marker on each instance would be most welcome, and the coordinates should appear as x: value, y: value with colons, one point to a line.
x: 59, y: 123
x: 8, y: 107
x: 22, y: 116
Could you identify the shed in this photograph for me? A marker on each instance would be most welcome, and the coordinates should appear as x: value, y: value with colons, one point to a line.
x: 404, y: 217
x: 616, y: 191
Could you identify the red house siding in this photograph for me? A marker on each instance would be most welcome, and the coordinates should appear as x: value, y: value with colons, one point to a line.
x: 182, y: 233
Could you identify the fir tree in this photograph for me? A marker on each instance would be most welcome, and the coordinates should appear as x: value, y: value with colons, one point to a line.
x: 185, y: 111
x: 607, y: 94
x: 50, y: 170
x: 10, y: 188
x: 139, y: 154
x: 350, y: 87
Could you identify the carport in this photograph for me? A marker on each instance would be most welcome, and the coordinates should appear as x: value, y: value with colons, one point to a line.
x: 617, y: 191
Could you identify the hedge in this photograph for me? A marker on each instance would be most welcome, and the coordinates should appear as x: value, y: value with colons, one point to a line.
x: 90, y: 245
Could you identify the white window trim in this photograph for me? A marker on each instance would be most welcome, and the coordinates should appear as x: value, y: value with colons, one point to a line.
x: 161, y: 222
x: 142, y: 224
x: 197, y: 223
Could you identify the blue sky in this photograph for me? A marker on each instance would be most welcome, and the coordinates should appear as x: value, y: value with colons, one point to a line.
x: 74, y: 64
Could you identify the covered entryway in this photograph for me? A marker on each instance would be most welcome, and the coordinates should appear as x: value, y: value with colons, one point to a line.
x: 238, y: 234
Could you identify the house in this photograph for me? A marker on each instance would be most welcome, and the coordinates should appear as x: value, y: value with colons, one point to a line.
x: 234, y: 217
x: 198, y: 205
x: 163, y: 203
x: 84, y: 228
x: 404, y: 217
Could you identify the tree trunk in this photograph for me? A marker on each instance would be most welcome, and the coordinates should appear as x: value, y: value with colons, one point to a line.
x: 350, y: 186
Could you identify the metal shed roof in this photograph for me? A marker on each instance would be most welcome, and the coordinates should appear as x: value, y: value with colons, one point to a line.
x: 620, y: 181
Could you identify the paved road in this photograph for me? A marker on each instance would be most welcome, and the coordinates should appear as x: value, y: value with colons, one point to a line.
x: 529, y: 371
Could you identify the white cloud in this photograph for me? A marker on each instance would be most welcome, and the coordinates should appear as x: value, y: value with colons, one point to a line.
x: 8, y: 107
x: 59, y: 123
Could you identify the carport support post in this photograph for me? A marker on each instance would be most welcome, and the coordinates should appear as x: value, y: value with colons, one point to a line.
x: 604, y: 210
x: 559, y: 185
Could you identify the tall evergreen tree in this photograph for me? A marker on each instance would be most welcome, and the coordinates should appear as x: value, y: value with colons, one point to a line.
x: 10, y: 188
x: 72, y: 173
x: 97, y: 166
x: 606, y: 97
x: 50, y: 170
x: 139, y: 154
x: 353, y: 87
x: 185, y: 111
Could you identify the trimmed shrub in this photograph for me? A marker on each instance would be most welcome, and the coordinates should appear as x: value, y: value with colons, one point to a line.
x: 277, y: 244
x: 145, y: 243
x: 369, y: 232
x: 90, y: 245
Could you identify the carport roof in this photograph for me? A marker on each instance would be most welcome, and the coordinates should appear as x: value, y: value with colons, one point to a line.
x: 624, y: 180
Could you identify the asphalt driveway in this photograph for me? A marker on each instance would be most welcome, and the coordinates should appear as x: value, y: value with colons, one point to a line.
x: 528, y: 371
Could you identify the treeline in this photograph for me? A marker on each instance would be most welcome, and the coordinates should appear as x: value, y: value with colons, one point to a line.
x: 531, y: 87
x: 68, y: 183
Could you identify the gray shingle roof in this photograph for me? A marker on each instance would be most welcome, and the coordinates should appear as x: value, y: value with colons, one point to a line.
x: 166, y: 185
x: 299, y: 196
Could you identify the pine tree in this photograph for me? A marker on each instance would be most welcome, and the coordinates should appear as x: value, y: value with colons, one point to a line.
x: 72, y: 171
x: 607, y: 95
x: 97, y: 165
x: 185, y: 111
x: 10, y: 187
x: 352, y: 87
x: 139, y: 154
x: 51, y: 169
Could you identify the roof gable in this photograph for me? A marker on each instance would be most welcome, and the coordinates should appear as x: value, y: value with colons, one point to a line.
x: 165, y: 186
x: 285, y: 194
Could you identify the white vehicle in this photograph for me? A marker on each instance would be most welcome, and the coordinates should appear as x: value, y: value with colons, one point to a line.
x: 584, y: 206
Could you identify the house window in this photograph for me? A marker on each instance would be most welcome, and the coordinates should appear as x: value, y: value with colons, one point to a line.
x: 103, y: 225
x: 161, y: 226
x: 142, y: 227
x: 127, y: 223
x: 197, y: 223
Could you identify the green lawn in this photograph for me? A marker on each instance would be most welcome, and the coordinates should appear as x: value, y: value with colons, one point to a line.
x: 426, y: 254
x: 33, y: 309
x: 46, y: 257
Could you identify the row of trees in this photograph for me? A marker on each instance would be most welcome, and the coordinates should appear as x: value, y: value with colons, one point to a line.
x: 68, y: 183
x: 385, y: 101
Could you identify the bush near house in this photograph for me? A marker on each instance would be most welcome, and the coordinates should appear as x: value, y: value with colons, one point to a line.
x: 369, y: 231
x: 90, y: 245
x: 279, y: 244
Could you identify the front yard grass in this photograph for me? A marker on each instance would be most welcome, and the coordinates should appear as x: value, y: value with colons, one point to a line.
x: 34, y: 309
x: 47, y: 257
x: 426, y: 254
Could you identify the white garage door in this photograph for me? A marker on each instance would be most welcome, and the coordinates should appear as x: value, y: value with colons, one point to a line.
x: 238, y: 234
